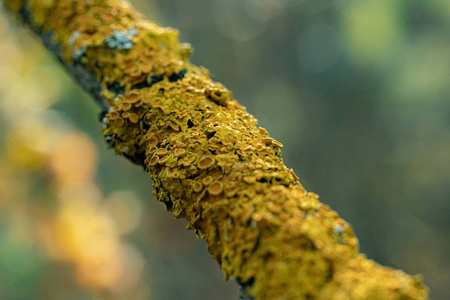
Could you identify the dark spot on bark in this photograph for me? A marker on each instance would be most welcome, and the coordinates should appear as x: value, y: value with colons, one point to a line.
x: 154, y: 79
x: 210, y: 134
x: 169, y: 205
x: 264, y: 180
x: 117, y: 88
x: 177, y: 76
x: 243, y: 294
x: 137, y: 158
x: 101, y: 115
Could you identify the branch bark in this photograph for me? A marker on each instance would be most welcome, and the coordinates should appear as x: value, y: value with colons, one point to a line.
x: 209, y: 161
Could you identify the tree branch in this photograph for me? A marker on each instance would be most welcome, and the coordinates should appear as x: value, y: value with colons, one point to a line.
x: 209, y: 161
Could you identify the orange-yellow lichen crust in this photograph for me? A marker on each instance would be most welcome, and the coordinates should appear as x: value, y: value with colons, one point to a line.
x: 209, y: 161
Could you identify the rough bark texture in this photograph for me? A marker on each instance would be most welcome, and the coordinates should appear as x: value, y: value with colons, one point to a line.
x: 209, y: 161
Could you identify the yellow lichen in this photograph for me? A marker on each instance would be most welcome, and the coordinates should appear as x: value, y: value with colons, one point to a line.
x: 164, y: 159
x: 161, y: 151
x: 133, y: 119
x: 258, y: 221
x: 119, y: 122
x: 152, y: 142
x: 133, y: 98
x: 197, y: 187
x: 207, y: 180
x: 126, y: 106
x: 114, y: 115
x: 206, y: 162
x: 154, y: 160
x: 180, y: 152
x: 215, y: 188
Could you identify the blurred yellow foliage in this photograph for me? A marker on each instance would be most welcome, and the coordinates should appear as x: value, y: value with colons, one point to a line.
x: 81, y: 227
x: 74, y: 159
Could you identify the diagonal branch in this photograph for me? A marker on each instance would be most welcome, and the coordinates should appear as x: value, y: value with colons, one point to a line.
x: 209, y: 161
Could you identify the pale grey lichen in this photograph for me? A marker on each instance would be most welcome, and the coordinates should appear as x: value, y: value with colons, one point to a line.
x: 73, y: 36
x: 76, y: 53
x: 121, y: 39
x: 338, y: 229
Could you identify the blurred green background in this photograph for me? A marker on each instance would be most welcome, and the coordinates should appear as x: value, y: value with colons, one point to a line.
x: 357, y: 91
